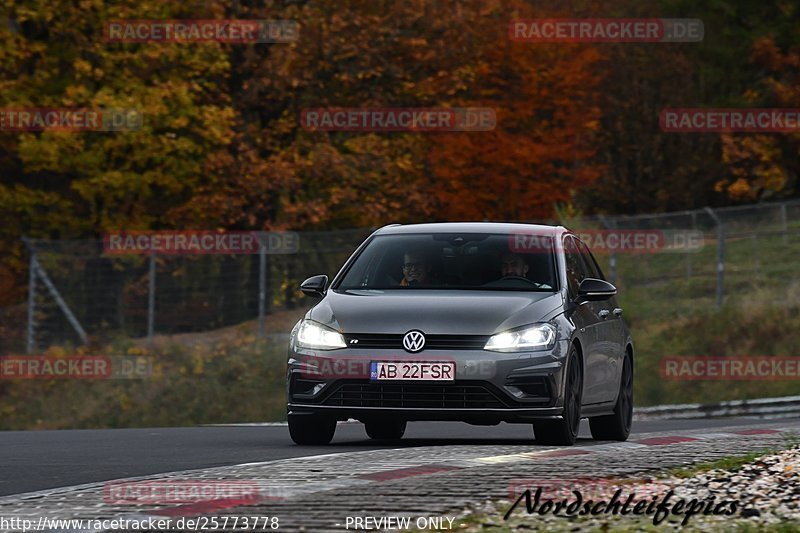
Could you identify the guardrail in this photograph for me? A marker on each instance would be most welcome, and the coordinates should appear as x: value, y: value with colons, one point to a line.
x: 780, y: 407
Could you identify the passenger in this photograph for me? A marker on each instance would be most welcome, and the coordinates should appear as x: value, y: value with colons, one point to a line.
x: 513, y: 265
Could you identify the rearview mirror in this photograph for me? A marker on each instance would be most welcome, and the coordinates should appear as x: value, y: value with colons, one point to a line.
x: 315, y: 286
x: 594, y: 290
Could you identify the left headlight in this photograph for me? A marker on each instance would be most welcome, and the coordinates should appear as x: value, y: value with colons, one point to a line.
x: 318, y: 337
x: 537, y: 337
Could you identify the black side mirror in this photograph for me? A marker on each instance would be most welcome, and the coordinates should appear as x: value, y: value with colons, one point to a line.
x: 315, y: 286
x: 594, y: 290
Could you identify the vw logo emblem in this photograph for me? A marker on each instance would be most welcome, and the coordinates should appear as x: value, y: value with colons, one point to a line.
x: 414, y: 341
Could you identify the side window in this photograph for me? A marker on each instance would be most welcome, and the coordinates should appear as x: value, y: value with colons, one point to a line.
x: 575, y: 266
x: 593, y: 271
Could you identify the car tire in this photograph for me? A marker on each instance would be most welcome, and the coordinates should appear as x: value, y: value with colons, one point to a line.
x: 617, y: 426
x: 385, y: 430
x: 311, y: 429
x: 564, y: 432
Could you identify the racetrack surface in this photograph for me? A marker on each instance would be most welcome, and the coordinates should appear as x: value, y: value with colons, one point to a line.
x: 38, y: 460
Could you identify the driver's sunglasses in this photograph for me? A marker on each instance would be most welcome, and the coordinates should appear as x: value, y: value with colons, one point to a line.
x: 410, y: 266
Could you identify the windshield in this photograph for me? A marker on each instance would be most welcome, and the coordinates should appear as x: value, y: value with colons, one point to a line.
x: 474, y: 261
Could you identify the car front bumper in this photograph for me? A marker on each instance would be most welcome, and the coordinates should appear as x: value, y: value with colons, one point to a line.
x: 489, y: 387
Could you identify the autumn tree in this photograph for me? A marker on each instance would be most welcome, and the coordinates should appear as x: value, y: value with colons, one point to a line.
x: 78, y: 184
x: 765, y: 166
x: 543, y: 149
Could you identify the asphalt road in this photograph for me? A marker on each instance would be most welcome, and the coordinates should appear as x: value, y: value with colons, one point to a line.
x: 38, y: 460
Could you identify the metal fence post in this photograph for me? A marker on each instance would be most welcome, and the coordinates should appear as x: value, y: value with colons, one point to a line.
x: 784, y: 224
x: 688, y: 252
x: 756, y: 260
x: 612, y: 258
x: 262, y: 288
x: 720, y: 264
x: 720, y: 255
x: 30, y: 346
x: 151, y: 302
x: 68, y: 314
x: 38, y: 271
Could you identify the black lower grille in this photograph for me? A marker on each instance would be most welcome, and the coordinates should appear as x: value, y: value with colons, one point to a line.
x: 422, y: 396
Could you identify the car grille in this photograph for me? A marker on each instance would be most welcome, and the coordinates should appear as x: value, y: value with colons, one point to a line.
x: 421, y: 396
x: 432, y: 342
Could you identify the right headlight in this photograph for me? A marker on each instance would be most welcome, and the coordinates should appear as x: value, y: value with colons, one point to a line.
x: 313, y: 335
x: 528, y: 338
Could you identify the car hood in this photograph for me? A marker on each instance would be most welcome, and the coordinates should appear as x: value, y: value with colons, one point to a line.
x: 433, y: 312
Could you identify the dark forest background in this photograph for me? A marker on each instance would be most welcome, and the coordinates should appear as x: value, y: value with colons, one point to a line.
x: 222, y: 146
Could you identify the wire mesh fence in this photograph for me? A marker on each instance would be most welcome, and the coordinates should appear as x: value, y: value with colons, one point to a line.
x: 79, y: 293
x: 78, y: 286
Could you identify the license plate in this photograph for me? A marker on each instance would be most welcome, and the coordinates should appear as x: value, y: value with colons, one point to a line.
x: 412, y: 371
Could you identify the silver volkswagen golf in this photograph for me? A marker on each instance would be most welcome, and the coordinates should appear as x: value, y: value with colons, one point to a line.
x: 475, y: 322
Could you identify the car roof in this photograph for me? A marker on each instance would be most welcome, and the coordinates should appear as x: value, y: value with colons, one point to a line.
x: 471, y: 227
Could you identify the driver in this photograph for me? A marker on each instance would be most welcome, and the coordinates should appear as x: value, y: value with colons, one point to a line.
x: 513, y: 265
x: 514, y: 271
